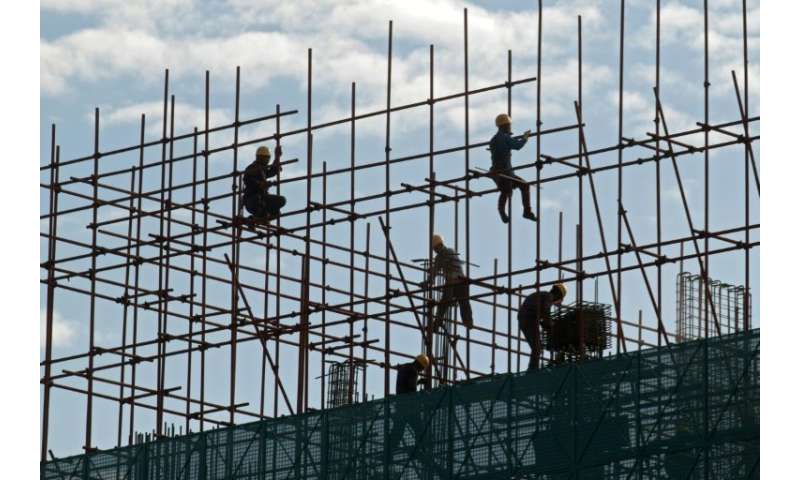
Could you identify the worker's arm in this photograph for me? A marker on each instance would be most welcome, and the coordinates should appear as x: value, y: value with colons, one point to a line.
x: 544, y: 317
x: 275, y: 167
x: 438, y: 264
x: 517, y: 143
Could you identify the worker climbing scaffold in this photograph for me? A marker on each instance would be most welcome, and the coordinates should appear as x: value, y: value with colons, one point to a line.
x: 501, y: 145
x: 456, y: 286
x: 263, y: 206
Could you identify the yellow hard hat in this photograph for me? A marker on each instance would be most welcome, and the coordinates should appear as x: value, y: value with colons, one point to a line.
x: 437, y: 240
x: 262, y: 152
x: 561, y: 288
x: 502, y: 119
x: 422, y: 359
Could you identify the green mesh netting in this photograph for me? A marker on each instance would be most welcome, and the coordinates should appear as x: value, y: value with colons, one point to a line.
x: 688, y: 412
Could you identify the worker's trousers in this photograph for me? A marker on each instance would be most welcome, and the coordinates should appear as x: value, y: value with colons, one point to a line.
x: 263, y: 204
x: 530, y: 330
x: 455, y: 291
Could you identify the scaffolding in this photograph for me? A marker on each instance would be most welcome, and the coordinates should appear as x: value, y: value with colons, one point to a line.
x: 171, y: 265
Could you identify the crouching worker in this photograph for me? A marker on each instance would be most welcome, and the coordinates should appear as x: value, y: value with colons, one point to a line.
x: 535, y: 311
x: 262, y: 206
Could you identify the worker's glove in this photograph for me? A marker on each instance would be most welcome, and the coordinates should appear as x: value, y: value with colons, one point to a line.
x: 278, y: 151
x: 527, y: 134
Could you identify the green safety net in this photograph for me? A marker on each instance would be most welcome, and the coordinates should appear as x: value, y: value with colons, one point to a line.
x: 690, y: 411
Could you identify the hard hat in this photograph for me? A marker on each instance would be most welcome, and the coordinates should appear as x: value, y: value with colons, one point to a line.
x: 262, y: 152
x: 561, y: 288
x: 422, y: 359
x: 502, y: 119
x: 437, y: 240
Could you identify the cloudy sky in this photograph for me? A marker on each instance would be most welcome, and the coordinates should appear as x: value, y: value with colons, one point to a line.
x: 112, y: 54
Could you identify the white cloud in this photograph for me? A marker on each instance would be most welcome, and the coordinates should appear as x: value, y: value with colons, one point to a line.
x: 269, y: 40
x: 64, y: 331
x: 187, y: 116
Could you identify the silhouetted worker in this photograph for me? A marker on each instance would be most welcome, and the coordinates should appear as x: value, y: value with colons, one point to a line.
x: 408, y: 374
x: 535, y: 311
x: 262, y: 206
x: 456, y: 288
x: 501, y: 145
x: 406, y: 411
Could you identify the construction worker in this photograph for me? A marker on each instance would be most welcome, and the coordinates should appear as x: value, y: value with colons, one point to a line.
x: 262, y: 206
x: 501, y: 145
x: 456, y: 287
x: 406, y: 411
x: 535, y: 311
x: 408, y: 373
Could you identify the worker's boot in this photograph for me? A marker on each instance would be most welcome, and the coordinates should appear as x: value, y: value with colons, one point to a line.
x: 529, y: 215
x: 503, y: 216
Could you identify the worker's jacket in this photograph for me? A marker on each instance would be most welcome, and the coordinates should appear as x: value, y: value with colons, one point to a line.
x: 448, y: 263
x: 536, y: 308
x: 406, y: 378
x: 255, y: 177
x: 501, y: 145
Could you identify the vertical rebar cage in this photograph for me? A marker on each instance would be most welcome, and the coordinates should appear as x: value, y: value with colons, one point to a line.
x: 728, y: 301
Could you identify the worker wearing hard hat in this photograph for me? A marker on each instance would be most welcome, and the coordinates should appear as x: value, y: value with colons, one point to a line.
x: 535, y: 312
x: 456, y: 286
x: 262, y: 205
x: 408, y: 373
x: 501, y: 145
x: 406, y: 408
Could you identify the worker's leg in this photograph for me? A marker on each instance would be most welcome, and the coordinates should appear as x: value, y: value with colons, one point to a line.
x: 274, y: 203
x: 505, y: 187
x: 254, y: 205
x: 462, y: 294
x: 525, y: 191
x: 448, y: 294
x: 502, y: 200
x: 531, y: 334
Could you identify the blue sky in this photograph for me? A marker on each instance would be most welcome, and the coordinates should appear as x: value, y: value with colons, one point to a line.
x: 112, y: 54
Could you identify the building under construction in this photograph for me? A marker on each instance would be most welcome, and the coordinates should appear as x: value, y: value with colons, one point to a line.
x: 282, y: 367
